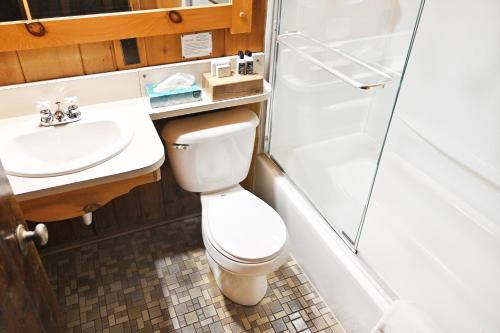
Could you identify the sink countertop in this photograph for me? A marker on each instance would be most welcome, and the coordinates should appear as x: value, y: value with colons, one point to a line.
x: 143, y: 155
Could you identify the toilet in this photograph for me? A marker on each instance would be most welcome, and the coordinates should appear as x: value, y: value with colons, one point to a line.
x: 245, y: 239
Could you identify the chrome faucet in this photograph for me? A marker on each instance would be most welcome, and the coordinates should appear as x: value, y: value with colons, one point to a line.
x: 60, y: 116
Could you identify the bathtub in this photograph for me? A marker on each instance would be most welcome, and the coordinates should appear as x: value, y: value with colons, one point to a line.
x: 348, y: 286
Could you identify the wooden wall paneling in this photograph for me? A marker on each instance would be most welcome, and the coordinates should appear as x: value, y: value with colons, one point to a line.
x: 170, y: 193
x: 160, y: 49
x: 177, y: 202
x: 105, y: 219
x: 98, y: 57
x: 163, y: 49
x: 51, y: 63
x: 218, y: 44
x: 128, y: 211
x: 151, y: 198
x: 167, y: 49
x: 187, y: 202
x: 253, y: 40
x: 119, y: 55
x: 10, y: 69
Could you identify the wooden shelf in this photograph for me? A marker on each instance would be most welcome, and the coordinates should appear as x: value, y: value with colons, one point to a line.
x: 232, y: 87
x: 207, y: 105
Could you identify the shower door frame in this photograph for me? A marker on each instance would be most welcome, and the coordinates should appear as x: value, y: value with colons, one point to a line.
x: 271, y: 48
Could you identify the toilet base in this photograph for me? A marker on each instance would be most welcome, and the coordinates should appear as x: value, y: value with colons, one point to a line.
x: 241, y: 289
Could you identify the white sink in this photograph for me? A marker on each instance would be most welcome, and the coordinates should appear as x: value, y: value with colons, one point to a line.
x: 64, y: 149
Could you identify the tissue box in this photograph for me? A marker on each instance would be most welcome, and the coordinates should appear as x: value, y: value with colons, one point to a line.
x: 173, y: 96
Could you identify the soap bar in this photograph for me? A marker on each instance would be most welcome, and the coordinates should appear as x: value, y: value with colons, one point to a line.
x: 173, y: 96
x: 220, y: 62
x: 223, y: 71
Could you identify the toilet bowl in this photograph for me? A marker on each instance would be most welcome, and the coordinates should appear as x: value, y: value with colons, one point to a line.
x: 245, y: 238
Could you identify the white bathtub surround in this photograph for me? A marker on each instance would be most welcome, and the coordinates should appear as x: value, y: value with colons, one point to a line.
x: 432, y: 230
x: 404, y: 317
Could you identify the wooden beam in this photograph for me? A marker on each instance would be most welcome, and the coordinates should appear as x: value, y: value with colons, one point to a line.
x: 253, y: 40
x: 104, y: 27
x: 241, y: 16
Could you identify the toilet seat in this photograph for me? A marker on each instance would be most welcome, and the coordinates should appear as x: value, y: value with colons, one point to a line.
x: 242, y: 231
x: 243, y: 227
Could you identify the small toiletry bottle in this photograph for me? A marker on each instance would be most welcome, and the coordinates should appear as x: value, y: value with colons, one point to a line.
x: 249, y: 62
x: 240, y: 63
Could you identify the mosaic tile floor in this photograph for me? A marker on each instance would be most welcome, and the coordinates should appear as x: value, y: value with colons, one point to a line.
x: 158, y: 280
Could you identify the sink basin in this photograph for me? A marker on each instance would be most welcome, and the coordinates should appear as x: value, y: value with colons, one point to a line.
x: 64, y: 149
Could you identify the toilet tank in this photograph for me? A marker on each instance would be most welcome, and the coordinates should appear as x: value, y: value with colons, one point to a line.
x: 212, y: 151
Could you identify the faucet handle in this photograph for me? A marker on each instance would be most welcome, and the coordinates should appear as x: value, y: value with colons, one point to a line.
x: 45, y: 113
x: 71, y: 104
x: 43, y: 106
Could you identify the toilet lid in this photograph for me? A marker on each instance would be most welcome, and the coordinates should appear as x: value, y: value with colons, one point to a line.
x: 244, y: 226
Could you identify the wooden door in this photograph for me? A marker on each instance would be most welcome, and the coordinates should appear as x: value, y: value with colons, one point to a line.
x: 27, y: 302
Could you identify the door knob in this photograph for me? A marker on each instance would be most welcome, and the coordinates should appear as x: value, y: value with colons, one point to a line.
x: 40, y: 236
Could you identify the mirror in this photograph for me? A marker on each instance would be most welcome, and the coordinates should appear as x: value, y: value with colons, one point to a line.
x: 202, y: 2
x: 12, y: 10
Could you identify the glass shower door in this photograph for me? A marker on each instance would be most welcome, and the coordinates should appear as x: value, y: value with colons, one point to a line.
x: 337, y: 68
